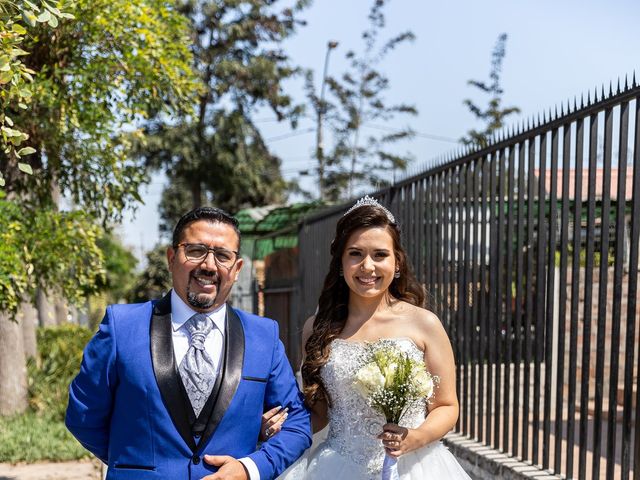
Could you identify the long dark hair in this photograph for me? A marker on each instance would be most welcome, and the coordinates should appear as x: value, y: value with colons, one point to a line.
x: 334, y: 299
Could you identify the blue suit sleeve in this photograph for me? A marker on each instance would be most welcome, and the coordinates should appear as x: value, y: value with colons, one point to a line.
x: 281, y: 450
x: 92, y: 391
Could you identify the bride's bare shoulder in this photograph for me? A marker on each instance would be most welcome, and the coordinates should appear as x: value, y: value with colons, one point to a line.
x: 423, y: 320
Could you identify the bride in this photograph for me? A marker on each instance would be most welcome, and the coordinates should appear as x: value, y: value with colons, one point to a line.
x: 370, y: 294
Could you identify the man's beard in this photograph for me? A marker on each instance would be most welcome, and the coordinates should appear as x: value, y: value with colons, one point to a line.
x: 200, y: 300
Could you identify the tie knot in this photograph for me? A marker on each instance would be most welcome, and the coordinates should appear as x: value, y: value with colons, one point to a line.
x: 199, y: 326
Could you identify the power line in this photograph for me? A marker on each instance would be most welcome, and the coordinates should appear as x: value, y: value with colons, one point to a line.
x: 417, y: 134
x: 290, y: 134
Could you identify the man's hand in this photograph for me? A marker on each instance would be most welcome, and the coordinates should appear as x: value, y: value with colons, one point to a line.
x: 230, y: 468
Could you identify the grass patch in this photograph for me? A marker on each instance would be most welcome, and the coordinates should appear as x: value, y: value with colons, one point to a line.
x: 31, y: 438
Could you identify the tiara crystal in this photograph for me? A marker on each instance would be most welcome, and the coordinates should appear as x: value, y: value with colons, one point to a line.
x: 367, y: 200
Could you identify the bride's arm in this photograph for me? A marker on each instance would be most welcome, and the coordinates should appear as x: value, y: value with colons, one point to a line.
x: 318, y: 411
x: 443, y: 408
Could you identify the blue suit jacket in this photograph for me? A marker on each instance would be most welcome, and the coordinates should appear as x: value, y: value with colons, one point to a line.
x: 127, y: 405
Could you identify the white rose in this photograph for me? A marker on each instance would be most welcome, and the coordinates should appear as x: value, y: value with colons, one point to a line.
x: 368, y: 379
x: 389, y: 372
x: 424, y: 384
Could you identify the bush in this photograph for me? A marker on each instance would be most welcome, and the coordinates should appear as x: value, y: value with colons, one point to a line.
x: 30, y: 438
x: 59, y: 356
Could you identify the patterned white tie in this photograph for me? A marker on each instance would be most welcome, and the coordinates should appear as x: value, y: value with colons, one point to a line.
x: 196, y: 369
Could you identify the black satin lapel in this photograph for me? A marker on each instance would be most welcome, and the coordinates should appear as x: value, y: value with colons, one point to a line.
x: 164, y: 368
x: 234, y: 359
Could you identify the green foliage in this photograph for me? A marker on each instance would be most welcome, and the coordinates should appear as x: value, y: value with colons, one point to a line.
x: 596, y: 259
x: 155, y: 281
x: 494, y: 114
x: 48, y: 250
x: 31, y: 438
x: 219, y: 154
x: 59, y: 357
x: 119, y: 63
x: 15, y: 75
x: 119, y: 265
x: 358, y: 159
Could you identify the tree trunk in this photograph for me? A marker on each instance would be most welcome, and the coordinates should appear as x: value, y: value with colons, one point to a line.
x: 28, y: 317
x: 13, y: 369
x: 62, y: 311
x: 46, y: 310
x: 196, y: 193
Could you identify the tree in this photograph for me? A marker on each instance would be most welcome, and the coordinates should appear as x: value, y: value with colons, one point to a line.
x: 219, y: 154
x: 120, y: 62
x: 41, y: 249
x: 15, y: 75
x: 358, y: 159
x: 243, y: 172
x: 118, y: 279
x: 494, y: 114
x: 71, y: 89
x: 155, y: 281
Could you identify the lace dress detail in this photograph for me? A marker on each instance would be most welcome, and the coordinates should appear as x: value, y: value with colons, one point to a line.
x: 353, y: 424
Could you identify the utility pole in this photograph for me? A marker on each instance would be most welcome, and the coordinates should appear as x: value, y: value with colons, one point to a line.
x: 332, y: 44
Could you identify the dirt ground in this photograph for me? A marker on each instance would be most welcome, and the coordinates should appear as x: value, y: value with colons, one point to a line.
x: 80, y: 470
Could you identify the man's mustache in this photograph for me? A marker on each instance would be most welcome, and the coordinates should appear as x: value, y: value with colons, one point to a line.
x: 205, y: 273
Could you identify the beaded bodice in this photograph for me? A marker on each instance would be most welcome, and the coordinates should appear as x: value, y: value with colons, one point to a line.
x: 353, y: 424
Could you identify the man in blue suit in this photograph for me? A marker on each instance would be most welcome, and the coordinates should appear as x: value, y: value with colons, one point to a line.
x: 175, y: 388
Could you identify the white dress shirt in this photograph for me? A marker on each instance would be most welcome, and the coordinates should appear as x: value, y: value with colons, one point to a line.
x: 180, y: 313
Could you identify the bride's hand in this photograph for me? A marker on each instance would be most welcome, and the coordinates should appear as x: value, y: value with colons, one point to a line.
x: 272, y: 421
x: 399, y: 440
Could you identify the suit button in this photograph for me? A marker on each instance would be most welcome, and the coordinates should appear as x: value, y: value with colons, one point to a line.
x: 195, y: 459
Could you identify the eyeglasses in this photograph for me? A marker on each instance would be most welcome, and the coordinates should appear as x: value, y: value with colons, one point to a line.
x: 197, y: 252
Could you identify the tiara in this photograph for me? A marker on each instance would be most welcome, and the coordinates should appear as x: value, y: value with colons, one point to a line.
x: 367, y: 200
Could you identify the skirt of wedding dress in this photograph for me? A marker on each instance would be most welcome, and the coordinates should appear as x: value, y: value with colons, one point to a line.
x: 323, y: 463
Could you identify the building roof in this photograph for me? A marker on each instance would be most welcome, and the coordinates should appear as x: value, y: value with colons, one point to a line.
x: 599, y: 174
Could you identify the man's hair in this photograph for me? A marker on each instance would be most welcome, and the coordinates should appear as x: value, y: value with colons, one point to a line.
x: 209, y: 214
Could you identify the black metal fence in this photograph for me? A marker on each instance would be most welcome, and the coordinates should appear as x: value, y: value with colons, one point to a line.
x: 529, y: 250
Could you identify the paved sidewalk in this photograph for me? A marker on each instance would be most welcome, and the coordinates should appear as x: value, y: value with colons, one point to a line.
x: 79, y: 470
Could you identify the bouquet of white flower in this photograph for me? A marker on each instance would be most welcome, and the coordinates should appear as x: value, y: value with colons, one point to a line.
x: 391, y: 381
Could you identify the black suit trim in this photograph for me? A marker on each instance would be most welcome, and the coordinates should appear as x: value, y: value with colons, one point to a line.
x: 231, y: 372
x: 164, y: 368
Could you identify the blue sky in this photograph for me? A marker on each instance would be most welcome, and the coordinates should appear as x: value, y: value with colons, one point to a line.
x: 556, y: 50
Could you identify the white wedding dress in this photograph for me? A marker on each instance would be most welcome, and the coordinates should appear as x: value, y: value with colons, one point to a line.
x: 351, y: 450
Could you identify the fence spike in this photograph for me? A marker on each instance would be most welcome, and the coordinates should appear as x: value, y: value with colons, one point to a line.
x: 634, y: 78
x: 626, y: 82
x: 603, y: 94
x: 618, y: 89
x: 575, y: 103
x: 610, y: 88
x: 582, y: 100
